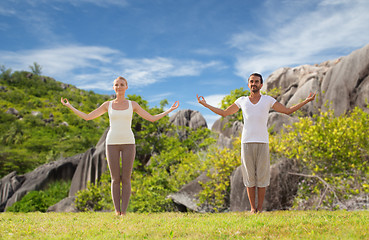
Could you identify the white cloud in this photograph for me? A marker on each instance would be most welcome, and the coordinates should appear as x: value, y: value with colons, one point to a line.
x: 59, y: 61
x: 95, y: 67
x: 160, y: 97
x: 207, y: 52
x: 215, y: 100
x: 142, y: 72
x: 87, y: 67
x: 306, y: 37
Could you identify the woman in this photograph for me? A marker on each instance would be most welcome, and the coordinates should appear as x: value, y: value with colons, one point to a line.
x: 120, y: 141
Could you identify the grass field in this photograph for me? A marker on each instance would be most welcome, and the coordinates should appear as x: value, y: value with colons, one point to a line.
x: 240, y: 225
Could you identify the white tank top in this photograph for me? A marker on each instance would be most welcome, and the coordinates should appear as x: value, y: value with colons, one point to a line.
x: 120, y: 131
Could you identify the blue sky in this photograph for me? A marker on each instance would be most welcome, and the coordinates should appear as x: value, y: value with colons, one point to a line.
x: 174, y: 49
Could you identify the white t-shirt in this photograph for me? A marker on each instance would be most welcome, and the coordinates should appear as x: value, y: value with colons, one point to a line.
x: 255, y: 118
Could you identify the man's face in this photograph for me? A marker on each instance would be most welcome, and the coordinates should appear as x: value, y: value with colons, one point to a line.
x: 255, y: 84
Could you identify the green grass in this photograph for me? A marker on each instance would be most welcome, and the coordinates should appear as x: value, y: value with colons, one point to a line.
x: 268, y: 225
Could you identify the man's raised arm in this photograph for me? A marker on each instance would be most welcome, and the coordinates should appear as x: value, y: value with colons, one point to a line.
x: 282, y: 109
x: 230, y: 110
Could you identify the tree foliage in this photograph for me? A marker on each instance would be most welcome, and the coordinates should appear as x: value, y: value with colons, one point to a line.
x: 333, y: 152
x: 230, y: 99
x: 36, y: 68
x: 220, y: 163
x: 335, y: 149
x: 176, y: 164
x: 39, y: 132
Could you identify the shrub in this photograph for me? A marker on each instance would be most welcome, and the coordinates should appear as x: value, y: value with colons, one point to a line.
x: 42, y: 200
x: 175, y: 165
x: 230, y: 99
x: 220, y: 163
x: 334, y: 152
x: 95, y: 197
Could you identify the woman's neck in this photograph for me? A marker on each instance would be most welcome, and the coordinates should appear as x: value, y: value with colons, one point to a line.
x: 120, y: 98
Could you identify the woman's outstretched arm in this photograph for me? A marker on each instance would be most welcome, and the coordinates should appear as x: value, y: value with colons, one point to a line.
x: 145, y: 115
x: 94, y: 114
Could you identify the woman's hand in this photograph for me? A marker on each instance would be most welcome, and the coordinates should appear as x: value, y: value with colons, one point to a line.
x: 174, y: 106
x: 65, y: 102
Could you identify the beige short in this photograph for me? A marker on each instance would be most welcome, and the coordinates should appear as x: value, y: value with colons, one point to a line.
x: 255, y: 164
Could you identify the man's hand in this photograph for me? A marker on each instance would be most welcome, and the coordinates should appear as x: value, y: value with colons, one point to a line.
x: 311, y: 97
x: 201, y: 99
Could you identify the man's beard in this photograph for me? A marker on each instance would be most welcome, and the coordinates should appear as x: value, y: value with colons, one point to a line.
x: 255, y: 89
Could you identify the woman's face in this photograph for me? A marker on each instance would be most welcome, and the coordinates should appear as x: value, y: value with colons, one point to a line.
x: 119, y: 85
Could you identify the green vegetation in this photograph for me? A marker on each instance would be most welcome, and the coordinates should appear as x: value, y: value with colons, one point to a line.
x: 333, y: 153
x: 42, y: 200
x: 36, y: 68
x: 230, y: 99
x: 236, y: 225
x: 30, y: 138
x: 43, y: 130
x: 96, y: 197
x: 220, y: 163
x: 179, y: 162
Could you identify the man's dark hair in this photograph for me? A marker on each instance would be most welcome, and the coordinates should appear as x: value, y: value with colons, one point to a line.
x: 257, y: 75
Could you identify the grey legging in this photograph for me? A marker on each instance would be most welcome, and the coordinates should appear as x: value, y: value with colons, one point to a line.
x: 127, y: 152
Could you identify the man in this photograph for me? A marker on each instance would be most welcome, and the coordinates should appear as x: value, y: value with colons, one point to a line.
x: 255, y: 163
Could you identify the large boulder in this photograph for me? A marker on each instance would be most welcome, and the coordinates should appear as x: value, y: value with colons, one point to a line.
x: 65, y: 205
x: 278, y: 121
x: 239, y: 200
x: 187, y: 197
x: 340, y: 84
x: 280, y: 193
x: 91, y: 167
x: 343, y: 82
x: 8, y: 186
x: 42, y: 176
x: 226, y: 131
x: 81, y: 169
x: 188, y: 118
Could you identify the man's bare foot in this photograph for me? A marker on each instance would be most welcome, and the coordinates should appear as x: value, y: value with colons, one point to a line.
x: 117, y: 213
x: 254, y: 211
